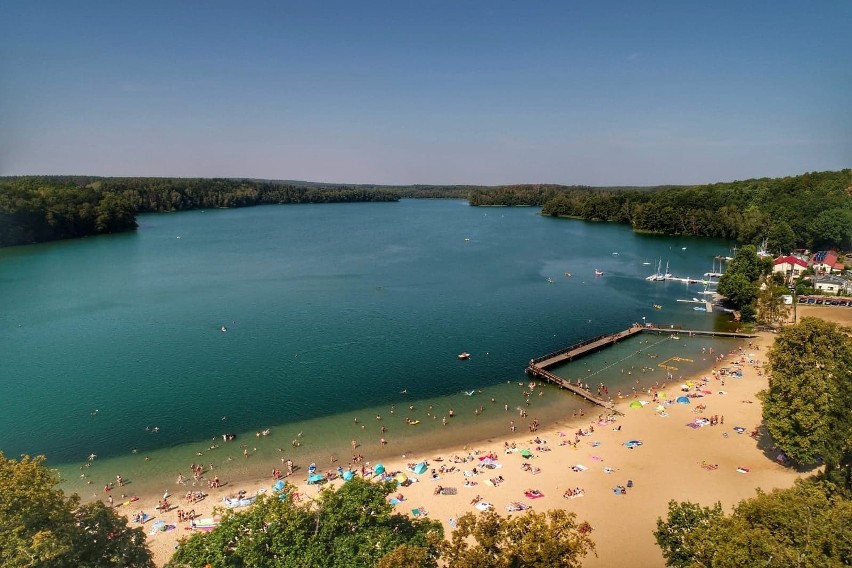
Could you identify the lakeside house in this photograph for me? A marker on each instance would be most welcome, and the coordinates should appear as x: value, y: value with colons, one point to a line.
x: 790, y: 266
x: 826, y: 262
x: 832, y: 284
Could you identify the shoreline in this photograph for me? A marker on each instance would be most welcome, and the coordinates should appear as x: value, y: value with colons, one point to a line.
x: 668, y: 465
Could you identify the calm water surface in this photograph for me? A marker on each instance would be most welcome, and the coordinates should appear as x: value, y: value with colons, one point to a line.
x: 331, y: 312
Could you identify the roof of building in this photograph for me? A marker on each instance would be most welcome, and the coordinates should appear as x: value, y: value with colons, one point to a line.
x: 828, y: 257
x: 790, y: 260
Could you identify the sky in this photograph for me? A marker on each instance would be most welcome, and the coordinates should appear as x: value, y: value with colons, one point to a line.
x: 460, y: 92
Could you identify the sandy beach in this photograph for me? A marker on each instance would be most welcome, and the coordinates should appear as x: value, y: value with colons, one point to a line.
x: 677, y: 459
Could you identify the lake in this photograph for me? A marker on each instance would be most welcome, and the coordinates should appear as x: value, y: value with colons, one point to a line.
x: 302, y: 318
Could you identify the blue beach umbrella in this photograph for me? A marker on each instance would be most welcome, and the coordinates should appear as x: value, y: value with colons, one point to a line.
x: 683, y: 399
x: 279, y: 486
x: 348, y: 475
x: 379, y: 469
x: 420, y: 468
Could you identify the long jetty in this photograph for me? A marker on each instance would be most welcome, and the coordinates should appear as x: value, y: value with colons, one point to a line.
x: 539, y: 366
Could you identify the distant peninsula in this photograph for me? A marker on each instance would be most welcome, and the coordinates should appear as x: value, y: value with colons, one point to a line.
x: 810, y: 210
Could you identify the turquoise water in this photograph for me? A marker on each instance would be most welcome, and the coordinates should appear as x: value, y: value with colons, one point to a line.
x: 331, y: 312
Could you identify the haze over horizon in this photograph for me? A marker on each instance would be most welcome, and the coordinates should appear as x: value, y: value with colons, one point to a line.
x: 484, y: 93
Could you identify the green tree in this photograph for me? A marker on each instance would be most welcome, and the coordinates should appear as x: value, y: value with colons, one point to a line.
x: 781, y: 237
x: 807, y: 525
x: 352, y: 526
x: 683, y: 534
x: 737, y: 289
x: 536, y: 540
x: 807, y: 405
x: 40, y: 526
x: 771, y: 308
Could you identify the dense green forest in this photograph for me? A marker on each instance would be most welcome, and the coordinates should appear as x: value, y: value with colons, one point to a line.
x: 37, y: 209
x: 813, y: 210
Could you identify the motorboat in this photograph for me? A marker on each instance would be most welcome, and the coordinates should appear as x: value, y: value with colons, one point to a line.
x: 598, y: 272
x: 464, y: 355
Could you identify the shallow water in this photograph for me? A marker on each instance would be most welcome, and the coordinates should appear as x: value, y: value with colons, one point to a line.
x: 330, y: 311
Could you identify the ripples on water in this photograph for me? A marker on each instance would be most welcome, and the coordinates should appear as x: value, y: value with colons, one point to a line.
x: 330, y: 311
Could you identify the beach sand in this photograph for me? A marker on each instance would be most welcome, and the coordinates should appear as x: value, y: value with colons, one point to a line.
x: 668, y: 465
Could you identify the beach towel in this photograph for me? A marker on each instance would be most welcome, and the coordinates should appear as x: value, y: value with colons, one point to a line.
x: 742, y: 470
x: 394, y: 501
x: 608, y: 470
x: 484, y: 506
x: 533, y: 494
x: 449, y: 491
x: 419, y: 512
x: 579, y: 467
x: 597, y: 458
x: 156, y: 528
x: 453, y: 522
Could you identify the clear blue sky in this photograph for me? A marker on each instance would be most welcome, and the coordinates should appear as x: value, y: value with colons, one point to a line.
x: 574, y: 92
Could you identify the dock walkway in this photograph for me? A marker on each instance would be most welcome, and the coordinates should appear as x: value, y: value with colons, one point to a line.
x: 539, y: 367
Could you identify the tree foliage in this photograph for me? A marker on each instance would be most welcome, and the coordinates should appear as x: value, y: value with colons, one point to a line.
x: 810, y: 210
x: 808, y: 525
x: 40, y: 526
x: 536, y: 540
x: 807, y: 405
x: 740, y: 283
x: 37, y: 209
x: 350, y: 527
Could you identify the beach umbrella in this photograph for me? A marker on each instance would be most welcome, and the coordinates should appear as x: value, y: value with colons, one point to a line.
x: 662, y: 395
x: 401, y: 477
x: 683, y: 399
x: 279, y: 486
x: 660, y: 408
x: 379, y: 469
x: 526, y: 453
x: 420, y: 468
x: 348, y: 475
x: 315, y: 478
x: 633, y: 443
x: 635, y: 404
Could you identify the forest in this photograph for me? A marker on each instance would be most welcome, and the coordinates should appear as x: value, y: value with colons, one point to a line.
x: 813, y: 210
x: 44, y: 208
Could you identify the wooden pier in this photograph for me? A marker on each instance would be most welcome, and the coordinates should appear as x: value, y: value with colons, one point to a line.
x: 693, y: 332
x: 539, y: 367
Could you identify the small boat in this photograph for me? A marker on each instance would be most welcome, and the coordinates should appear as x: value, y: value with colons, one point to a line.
x: 598, y: 272
x: 464, y: 355
x: 549, y: 280
x: 657, y: 307
x: 568, y: 275
x: 615, y: 254
x: 224, y: 329
x: 699, y: 309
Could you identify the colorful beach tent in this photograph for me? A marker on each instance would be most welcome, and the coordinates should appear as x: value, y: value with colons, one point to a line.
x: 348, y: 475
x: 683, y: 399
x: 420, y: 468
x: 401, y: 477
x: 315, y: 478
x: 635, y: 404
x: 379, y: 469
x: 526, y: 453
x: 279, y: 486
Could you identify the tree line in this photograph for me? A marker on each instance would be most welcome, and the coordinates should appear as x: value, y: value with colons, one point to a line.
x: 812, y: 210
x: 38, y: 209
